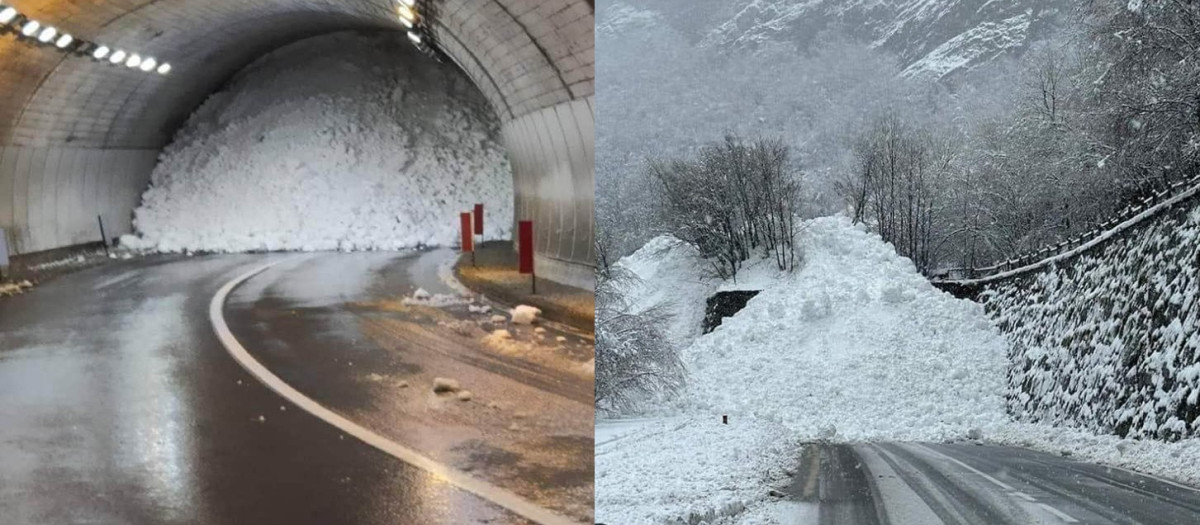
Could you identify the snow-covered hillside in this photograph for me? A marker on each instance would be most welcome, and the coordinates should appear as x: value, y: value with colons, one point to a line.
x: 937, y: 37
x: 346, y: 141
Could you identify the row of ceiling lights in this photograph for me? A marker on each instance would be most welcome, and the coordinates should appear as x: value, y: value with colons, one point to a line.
x: 31, y: 30
x: 414, y: 19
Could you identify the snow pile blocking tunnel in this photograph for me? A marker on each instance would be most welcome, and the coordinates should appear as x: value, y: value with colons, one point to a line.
x: 80, y: 136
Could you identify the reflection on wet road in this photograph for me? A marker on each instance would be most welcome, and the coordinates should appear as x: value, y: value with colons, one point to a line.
x: 119, y: 405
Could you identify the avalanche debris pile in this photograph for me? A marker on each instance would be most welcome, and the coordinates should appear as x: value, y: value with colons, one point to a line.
x: 341, y: 142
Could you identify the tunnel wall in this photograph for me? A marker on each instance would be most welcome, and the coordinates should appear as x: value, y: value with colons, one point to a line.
x: 548, y: 118
x: 51, y: 196
x: 1110, y: 340
x: 91, y: 131
x: 553, y: 163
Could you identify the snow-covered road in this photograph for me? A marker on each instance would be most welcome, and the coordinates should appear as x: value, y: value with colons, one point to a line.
x: 750, y: 473
x: 951, y: 484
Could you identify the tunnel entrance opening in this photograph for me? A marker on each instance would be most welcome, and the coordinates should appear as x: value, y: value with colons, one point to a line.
x: 82, y: 136
x: 345, y: 141
x: 725, y: 304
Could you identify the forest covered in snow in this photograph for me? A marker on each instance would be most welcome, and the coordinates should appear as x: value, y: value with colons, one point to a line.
x: 962, y: 135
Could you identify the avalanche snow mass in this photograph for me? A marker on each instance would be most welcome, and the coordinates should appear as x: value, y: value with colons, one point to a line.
x: 350, y: 141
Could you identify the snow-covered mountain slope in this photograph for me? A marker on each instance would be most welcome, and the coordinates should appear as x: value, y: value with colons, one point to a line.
x: 934, y: 37
x: 346, y: 141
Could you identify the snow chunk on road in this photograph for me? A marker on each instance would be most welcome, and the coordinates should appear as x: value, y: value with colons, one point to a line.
x: 525, y: 314
x: 443, y: 385
x: 435, y: 300
x: 340, y: 142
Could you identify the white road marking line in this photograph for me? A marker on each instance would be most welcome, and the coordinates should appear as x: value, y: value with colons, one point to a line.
x: 1024, y: 496
x: 1061, y: 515
x: 994, y: 481
x: 504, y: 498
x: 901, y: 502
x: 1058, y: 513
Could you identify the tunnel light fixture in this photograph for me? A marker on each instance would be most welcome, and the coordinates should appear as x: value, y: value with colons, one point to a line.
x: 407, y: 14
x: 40, y: 34
x: 47, y: 34
x: 415, y: 16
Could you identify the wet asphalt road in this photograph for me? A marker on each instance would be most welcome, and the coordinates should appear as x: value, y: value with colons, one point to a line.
x: 362, y: 348
x: 933, y: 484
x: 119, y: 405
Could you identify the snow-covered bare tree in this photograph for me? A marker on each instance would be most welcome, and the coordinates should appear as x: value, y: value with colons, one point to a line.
x: 735, y: 199
x: 896, y: 187
x: 635, y: 360
x: 1146, y: 71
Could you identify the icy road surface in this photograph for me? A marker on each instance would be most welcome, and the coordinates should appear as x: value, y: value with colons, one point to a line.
x: 933, y: 484
x: 119, y: 405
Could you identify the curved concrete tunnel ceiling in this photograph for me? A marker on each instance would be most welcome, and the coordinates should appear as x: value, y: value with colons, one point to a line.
x: 80, y: 137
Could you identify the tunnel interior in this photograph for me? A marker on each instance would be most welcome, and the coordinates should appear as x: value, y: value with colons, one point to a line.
x: 81, y: 136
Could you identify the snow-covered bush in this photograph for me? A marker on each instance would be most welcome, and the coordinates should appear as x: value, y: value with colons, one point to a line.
x: 1111, y: 340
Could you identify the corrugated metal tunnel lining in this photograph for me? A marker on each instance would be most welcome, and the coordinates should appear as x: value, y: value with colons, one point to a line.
x: 80, y: 137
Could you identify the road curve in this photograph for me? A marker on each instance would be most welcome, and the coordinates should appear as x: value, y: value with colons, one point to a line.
x: 342, y: 331
x: 951, y: 484
x: 119, y: 405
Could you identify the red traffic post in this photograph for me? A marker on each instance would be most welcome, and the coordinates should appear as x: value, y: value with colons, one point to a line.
x: 525, y: 247
x: 468, y: 240
x: 478, y: 219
